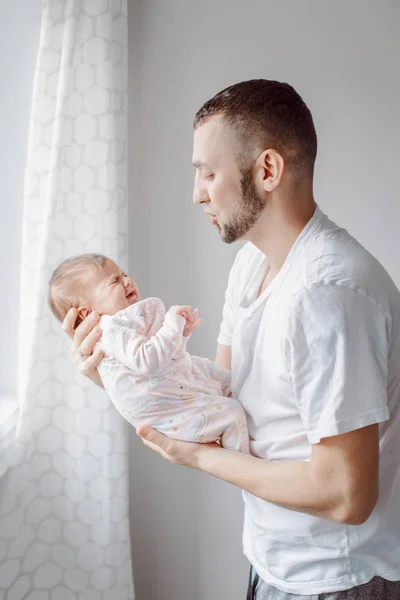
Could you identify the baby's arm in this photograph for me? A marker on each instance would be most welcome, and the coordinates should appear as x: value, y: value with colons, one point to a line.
x: 145, y: 356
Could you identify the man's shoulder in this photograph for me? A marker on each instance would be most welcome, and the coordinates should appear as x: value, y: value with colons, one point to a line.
x: 335, y: 258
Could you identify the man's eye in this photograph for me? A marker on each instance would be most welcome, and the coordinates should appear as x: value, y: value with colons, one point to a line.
x: 209, y: 177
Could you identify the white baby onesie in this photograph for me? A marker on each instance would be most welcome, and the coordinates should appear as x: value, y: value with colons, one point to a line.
x: 152, y: 379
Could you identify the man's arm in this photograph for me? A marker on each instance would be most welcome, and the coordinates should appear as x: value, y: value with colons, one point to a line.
x: 223, y: 359
x: 223, y: 356
x: 340, y: 482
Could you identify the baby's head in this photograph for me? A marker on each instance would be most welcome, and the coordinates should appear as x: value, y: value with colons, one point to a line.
x: 90, y: 282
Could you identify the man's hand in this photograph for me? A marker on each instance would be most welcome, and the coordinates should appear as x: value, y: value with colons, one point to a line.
x: 176, y: 451
x: 84, y: 338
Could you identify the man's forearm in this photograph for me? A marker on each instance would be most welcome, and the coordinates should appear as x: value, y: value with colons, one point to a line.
x: 292, y: 485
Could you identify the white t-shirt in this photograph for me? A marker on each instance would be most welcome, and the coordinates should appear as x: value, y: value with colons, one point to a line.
x: 315, y: 355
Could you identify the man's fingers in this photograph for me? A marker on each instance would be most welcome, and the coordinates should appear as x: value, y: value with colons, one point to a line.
x: 176, y: 451
x: 68, y: 324
x: 153, y: 447
x: 155, y: 440
x: 87, y: 345
x: 84, y: 329
x: 90, y: 364
x: 148, y: 433
x: 84, y: 339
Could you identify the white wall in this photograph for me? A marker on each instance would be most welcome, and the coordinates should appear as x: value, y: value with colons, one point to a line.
x: 343, y: 58
x: 19, y: 39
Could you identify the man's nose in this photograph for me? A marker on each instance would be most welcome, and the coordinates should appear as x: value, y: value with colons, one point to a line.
x: 200, y: 195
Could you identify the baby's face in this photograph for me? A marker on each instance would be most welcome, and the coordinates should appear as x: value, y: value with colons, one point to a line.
x: 111, y: 290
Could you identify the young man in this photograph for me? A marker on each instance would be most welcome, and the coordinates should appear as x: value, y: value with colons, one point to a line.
x: 311, y: 332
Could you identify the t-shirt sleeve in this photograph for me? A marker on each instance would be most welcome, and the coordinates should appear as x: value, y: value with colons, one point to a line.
x: 337, y: 344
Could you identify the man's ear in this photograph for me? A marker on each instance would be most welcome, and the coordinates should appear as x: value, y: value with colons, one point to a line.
x: 269, y: 167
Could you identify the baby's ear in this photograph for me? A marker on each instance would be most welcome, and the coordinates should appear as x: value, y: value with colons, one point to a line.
x: 83, y: 312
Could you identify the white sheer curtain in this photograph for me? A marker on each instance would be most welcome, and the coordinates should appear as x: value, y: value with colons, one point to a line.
x: 64, y: 530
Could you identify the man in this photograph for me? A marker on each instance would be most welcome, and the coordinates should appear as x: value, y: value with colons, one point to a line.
x: 311, y: 332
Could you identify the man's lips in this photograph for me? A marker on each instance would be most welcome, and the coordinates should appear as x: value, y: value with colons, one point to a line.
x: 212, y: 217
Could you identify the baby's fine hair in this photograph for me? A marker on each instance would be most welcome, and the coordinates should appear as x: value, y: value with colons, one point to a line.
x: 66, y: 282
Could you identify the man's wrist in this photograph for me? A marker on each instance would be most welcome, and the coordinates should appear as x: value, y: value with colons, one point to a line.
x: 216, y: 460
x: 201, y: 457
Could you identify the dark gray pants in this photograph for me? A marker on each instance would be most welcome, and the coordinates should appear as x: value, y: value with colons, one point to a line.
x: 376, y: 589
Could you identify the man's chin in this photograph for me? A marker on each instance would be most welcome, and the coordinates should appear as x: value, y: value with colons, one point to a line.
x: 228, y: 237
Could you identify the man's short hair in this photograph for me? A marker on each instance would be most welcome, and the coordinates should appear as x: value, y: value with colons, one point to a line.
x: 266, y: 114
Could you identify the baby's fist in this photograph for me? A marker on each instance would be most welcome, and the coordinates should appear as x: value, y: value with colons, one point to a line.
x: 191, y: 323
x: 183, y: 311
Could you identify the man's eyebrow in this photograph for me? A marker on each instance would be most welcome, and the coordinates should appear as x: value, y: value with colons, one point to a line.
x: 199, y: 164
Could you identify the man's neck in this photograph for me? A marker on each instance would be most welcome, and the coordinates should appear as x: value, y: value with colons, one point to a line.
x: 278, y: 229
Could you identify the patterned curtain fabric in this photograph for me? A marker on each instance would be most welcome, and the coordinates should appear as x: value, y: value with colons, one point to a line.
x: 64, y: 530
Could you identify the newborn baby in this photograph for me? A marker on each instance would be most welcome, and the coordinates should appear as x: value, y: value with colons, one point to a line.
x: 147, y: 372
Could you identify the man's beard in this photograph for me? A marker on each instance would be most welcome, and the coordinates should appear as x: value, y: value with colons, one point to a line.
x: 251, y: 205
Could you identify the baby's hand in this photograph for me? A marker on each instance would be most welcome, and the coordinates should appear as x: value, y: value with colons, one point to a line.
x: 183, y: 311
x: 192, y: 322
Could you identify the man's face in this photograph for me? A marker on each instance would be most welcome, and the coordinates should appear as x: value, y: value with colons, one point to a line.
x: 227, y: 192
